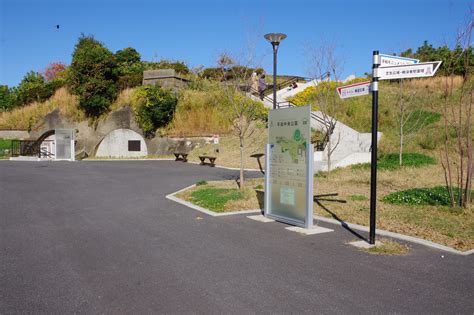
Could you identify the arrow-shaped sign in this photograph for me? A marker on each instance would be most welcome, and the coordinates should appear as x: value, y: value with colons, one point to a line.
x: 419, y: 70
x: 390, y: 61
x: 358, y: 89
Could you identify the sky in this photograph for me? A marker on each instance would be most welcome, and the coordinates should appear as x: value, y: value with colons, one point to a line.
x: 197, y: 32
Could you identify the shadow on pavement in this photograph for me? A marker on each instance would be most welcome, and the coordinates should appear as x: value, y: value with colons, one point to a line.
x: 317, y: 199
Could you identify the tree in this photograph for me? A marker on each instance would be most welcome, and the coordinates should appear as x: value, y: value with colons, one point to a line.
x: 93, y: 76
x: 127, y: 57
x: 129, y: 68
x: 427, y: 52
x: 242, y: 112
x: 324, y: 63
x: 32, y: 88
x: 456, y: 155
x: 6, y: 98
x: 410, y: 118
x: 53, y: 71
x: 155, y: 109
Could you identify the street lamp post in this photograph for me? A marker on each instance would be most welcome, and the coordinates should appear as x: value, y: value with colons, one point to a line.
x: 275, y: 39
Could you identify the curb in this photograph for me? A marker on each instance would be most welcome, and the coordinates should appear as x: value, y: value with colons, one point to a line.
x: 229, y: 168
x: 358, y: 227
x: 204, y: 210
x: 171, y: 159
x: 402, y: 237
x: 118, y: 160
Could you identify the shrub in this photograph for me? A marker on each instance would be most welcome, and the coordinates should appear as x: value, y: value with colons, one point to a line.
x: 93, y: 76
x: 309, y: 95
x: 154, y: 107
x: 128, y: 81
x: 178, y: 66
x: 201, y: 183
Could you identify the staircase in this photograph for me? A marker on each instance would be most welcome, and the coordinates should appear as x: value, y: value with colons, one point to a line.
x: 348, y: 146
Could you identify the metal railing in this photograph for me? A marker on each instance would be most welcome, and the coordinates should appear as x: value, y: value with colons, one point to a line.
x: 269, y: 89
x: 30, y: 148
x: 329, y: 126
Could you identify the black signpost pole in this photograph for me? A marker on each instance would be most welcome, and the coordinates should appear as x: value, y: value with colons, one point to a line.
x: 373, y: 159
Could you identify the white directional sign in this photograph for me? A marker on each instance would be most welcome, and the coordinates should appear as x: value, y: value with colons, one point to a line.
x: 358, y: 89
x: 390, y: 61
x: 419, y: 70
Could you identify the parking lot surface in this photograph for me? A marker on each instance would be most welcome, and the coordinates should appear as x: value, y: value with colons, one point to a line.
x: 100, y: 237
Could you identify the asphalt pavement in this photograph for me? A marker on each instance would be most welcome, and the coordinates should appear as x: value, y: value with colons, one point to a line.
x: 100, y: 237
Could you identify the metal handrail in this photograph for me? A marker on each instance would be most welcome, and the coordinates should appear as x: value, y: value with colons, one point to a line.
x: 29, y: 148
x: 329, y: 125
x: 253, y: 91
x: 282, y: 84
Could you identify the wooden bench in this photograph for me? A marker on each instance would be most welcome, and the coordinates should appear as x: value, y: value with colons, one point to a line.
x: 210, y: 158
x: 258, y: 156
x: 181, y: 156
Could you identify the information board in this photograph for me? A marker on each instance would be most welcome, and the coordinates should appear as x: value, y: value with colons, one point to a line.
x: 64, y: 139
x: 289, y: 175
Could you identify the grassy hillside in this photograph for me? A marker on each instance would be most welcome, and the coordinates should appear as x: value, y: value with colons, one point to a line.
x: 26, y: 117
x: 196, y: 113
x: 424, y: 97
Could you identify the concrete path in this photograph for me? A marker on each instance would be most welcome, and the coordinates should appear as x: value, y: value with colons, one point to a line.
x: 99, y: 237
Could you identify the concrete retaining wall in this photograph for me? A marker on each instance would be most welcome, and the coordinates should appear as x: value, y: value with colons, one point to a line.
x: 14, y: 134
x: 168, y: 146
x: 88, y: 135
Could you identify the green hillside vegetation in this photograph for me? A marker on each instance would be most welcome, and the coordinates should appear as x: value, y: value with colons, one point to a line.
x: 425, y: 103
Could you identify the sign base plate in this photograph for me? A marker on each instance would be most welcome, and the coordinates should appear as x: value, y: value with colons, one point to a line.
x: 311, y: 231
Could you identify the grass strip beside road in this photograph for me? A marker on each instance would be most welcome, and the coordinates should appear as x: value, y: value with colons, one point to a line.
x: 388, y: 247
x: 225, y: 196
x: 344, y: 195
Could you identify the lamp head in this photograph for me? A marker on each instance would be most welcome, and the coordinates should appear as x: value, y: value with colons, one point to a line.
x: 275, y: 38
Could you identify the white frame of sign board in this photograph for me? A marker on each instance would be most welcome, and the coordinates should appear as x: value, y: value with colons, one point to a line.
x: 269, y: 209
x: 69, y: 134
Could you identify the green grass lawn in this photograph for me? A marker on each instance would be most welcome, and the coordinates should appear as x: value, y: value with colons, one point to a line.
x: 5, y: 145
x: 437, y: 196
x: 391, y: 161
x: 214, y: 198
